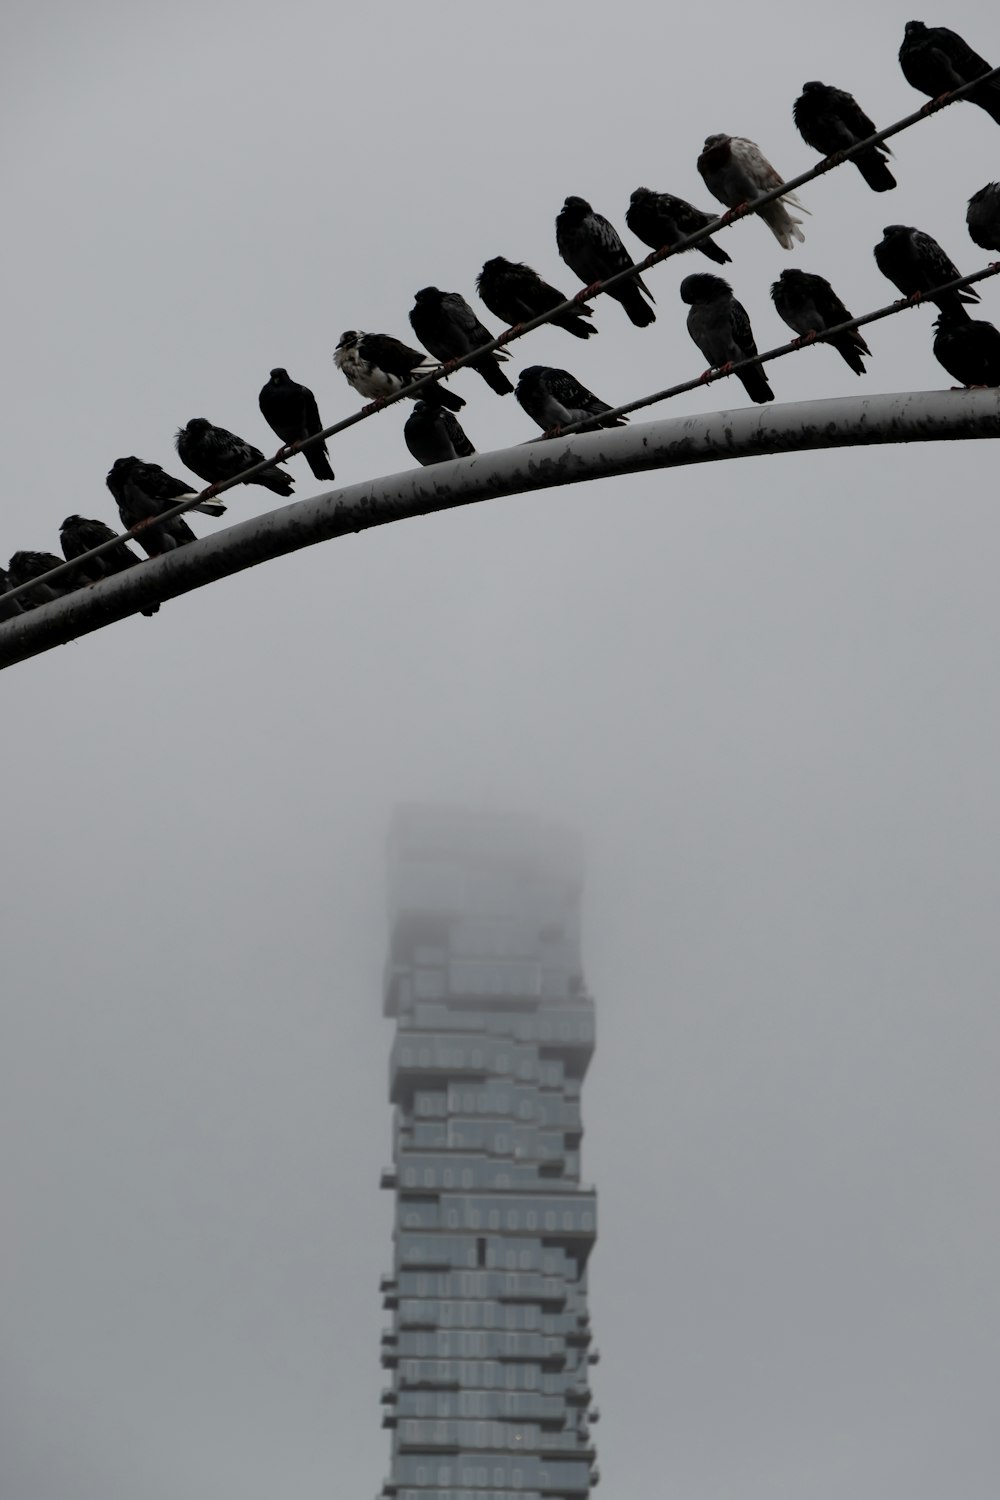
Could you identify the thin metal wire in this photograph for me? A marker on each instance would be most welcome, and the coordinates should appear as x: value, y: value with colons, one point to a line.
x: 804, y: 341
x: 518, y: 330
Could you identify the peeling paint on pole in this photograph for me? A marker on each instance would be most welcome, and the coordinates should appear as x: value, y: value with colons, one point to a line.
x: 674, y: 442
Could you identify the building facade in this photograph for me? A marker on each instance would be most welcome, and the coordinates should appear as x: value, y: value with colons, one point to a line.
x: 489, y: 1346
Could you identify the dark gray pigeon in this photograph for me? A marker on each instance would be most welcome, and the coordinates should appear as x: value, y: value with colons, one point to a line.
x: 215, y: 453
x: 447, y: 326
x: 720, y: 327
x: 808, y: 304
x: 434, y: 435
x: 12, y: 607
x: 736, y: 171
x: 515, y: 293
x: 163, y: 486
x: 137, y: 492
x: 968, y: 349
x: 77, y: 535
x: 831, y: 120
x: 914, y: 262
x: 290, y: 410
x: 377, y: 365
x: 983, y: 217
x: 25, y: 566
x: 661, y: 219
x: 936, y: 60
x: 555, y: 399
x: 593, y: 250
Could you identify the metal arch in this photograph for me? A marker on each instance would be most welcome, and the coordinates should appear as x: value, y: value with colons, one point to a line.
x: 673, y: 442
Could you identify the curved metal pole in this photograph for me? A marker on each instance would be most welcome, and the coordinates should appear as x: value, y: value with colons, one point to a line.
x: 673, y: 442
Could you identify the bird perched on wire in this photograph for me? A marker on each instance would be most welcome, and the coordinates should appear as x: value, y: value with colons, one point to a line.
x: 831, y: 120
x: 968, y: 349
x: 77, y: 535
x: 983, y: 217
x: 26, y: 566
x: 447, y: 326
x: 215, y: 453
x: 593, y: 250
x: 515, y: 293
x: 915, y: 263
x: 165, y: 487
x: 377, y: 365
x: 720, y: 327
x: 809, y: 305
x: 555, y: 399
x: 9, y: 608
x: 661, y: 219
x: 138, y: 492
x: 434, y: 435
x: 290, y: 410
x: 936, y: 60
x: 736, y: 171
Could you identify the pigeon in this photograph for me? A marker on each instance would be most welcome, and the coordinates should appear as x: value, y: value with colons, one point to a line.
x: 736, y: 171
x: 447, y: 326
x: 593, y: 250
x: 137, y: 491
x: 555, y: 399
x: 809, y: 304
x: 983, y: 217
x: 515, y: 293
x: 434, y: 435
x: 163, y: 486
x: 831, y: 120
x: 661, y: 219
x: 719, y: 326
x: 915, y: 263
x: 11, y: 607
x: 215, y: 453
x: 290, y: 410
x: 77, y: 535
x: 377, y: 365
x: 968, y: 349
x: 936, y: 60
x: 25, y: 566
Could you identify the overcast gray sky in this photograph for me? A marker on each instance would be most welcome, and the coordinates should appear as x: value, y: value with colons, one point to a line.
x: 766, y: 694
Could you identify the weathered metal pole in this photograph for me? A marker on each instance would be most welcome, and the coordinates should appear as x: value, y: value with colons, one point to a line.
x: 905, y: 417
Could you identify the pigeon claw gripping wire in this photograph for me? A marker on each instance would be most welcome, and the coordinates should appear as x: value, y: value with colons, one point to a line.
x: 513, y: 332
x: 805, y: 338
x: 738, y: 212
x: 914, y: 298
x: 593, y: 290
x: 706, y: 376
x: 935, y: 104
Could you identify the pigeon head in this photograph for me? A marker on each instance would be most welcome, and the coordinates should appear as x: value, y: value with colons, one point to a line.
x: 531, y: 374
x: 792, y: 277
x: 577, y: 205
x: 812, y: 87
x: 642, y: 195
x: 428, y: 294
x: 197, y: 427
x: 279, y: 374
x: 702, y: 287
x: 893, y: 231
x: 914, y: 28
x: 712, y: 141
x: 350, y: 340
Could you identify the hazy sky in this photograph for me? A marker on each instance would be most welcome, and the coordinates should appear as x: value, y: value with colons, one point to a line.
x: 766, y: 693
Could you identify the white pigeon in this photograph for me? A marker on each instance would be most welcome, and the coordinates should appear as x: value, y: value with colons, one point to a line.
x: 736, y: 171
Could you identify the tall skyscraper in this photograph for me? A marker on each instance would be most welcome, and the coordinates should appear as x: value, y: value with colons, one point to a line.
x: 490, y: 1345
